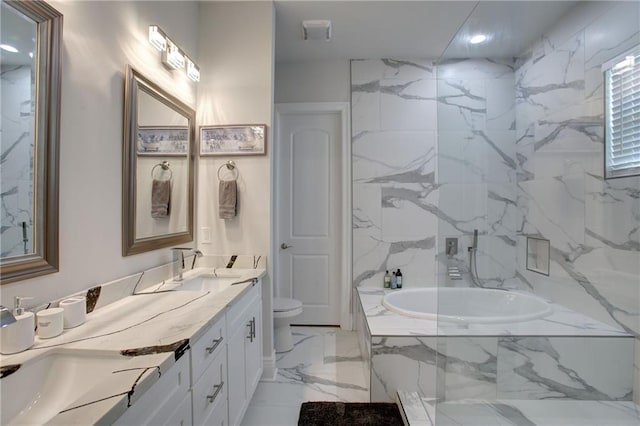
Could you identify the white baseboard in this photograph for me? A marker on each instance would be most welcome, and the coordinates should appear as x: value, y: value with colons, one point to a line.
x: 269, y: 369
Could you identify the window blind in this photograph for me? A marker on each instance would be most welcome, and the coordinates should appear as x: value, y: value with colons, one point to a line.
x: 622, y: 116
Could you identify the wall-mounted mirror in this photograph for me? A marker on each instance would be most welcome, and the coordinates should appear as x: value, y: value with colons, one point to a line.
x: 158, y: 172
x: 31, y: 35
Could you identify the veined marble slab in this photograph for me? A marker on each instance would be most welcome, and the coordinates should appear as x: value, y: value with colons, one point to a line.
x: 562, y: 322
x: 421, y: 411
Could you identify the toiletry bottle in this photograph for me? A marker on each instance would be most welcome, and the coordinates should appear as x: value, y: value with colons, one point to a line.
x: 20, y: 335
x: 387, y: 279
x: 399, y: 278
x: 394, y: 282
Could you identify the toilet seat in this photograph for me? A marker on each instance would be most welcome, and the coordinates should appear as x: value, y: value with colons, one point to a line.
x: 285, y: 307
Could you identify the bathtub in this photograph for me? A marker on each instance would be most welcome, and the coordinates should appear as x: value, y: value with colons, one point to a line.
x: 466, y: 305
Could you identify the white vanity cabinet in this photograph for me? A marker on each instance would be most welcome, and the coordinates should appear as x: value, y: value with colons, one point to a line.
x: 244, y: 351
x: 213, y: 383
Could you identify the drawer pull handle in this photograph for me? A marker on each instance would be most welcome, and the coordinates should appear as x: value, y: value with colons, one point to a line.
x: 252, y: 329
x: 216, y: 390
x: 214, y: 344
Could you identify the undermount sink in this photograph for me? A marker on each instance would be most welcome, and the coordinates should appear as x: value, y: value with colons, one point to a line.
x: 47, y: 384
x: 206, y: 282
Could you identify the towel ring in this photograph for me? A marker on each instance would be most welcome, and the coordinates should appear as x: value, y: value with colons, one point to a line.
x: 231, y: 166
x: 165, y: 166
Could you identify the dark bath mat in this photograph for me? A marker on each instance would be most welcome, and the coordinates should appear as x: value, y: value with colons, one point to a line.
x: 349, y: 414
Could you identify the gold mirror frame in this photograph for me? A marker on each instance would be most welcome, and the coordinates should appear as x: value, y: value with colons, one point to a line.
x: 130, y: 245
x: 45, y: 258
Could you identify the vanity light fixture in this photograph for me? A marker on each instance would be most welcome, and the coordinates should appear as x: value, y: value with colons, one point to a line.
x: 477, y: 39
x: 157, y: 38
x: 193, y: 72
x: 173, y: 57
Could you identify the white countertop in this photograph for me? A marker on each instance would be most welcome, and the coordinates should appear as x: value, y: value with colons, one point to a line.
x: 143, y: 323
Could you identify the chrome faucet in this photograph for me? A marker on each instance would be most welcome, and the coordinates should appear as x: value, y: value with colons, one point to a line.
x: 6, y: 317
x: 178, y: 260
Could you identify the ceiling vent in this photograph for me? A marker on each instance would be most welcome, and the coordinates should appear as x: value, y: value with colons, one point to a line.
x: 318, y: 29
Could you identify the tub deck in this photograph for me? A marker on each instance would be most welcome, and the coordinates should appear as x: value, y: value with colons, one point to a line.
x: 561, y: 322
x: 473, y: 369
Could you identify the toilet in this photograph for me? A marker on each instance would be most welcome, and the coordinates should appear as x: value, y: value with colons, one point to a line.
x: 283, y: 311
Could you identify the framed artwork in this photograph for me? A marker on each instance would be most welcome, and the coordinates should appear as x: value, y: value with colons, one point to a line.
x: 163, y: 140
x: 241, y: 139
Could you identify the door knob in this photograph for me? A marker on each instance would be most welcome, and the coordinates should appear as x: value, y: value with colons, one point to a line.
x: 284, y: 246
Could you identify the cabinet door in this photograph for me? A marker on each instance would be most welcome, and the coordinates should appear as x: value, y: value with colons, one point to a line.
x: 253, y: 349
x: 180, y: 417
x: 236, y: 375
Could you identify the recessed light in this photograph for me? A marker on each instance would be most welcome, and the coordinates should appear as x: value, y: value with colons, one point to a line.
x: 478, y: 38
x: 31, y: 55
x: 8, y: 48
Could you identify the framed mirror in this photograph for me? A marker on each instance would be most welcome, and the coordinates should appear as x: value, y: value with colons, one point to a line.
x: 158, y: 167
x: 30, y: 62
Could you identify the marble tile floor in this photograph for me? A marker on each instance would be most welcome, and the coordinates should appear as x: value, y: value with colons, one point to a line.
x: 324, y: 365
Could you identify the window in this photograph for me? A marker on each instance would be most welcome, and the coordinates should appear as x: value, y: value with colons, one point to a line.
x: 622, y: 115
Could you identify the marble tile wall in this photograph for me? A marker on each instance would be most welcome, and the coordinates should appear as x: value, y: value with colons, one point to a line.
x: 395, y: 195
x: 513, y: 149
x: 16, y: 158
x: 592, y: 223
x: 477, y: 166
x: 433, y: 157
x: 510, y: 367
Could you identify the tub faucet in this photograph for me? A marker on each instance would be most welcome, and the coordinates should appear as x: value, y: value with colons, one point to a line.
x: 178, y: 260
x: 6, y: 317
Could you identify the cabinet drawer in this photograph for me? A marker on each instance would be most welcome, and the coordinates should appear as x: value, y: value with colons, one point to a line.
x: 207, y: 348
x: 218, y: 416
x: 235, y: 314
x: 181, y: 416
x: 210, y: 389
x: 160, y: 401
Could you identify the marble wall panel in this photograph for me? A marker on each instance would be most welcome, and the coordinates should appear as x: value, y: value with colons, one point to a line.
x: 16, y: 149
x: 419, y: 362
x: 636, y: 373
x: 501, y: 103
x: 394, y: 170
x: 476, y: 156
x: 451, y: 368
x: 462, y: 104
x: 561, y: 194
x: 551, y: 81
x: 408, y: 104
x: 470, y: 368
x: 621, y: 24
x: 394, y: 156
x: 575, y: 368
x: 553, y: 208
x: 463, y: 208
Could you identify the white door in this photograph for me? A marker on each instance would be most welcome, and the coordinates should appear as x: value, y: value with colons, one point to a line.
x: 308, y: 209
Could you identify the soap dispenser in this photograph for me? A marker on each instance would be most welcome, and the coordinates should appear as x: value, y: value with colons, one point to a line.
x: 20, y: 335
